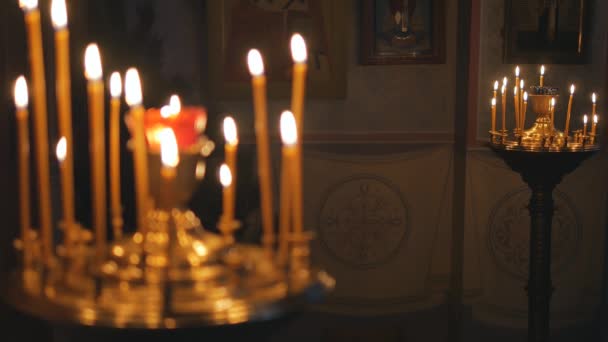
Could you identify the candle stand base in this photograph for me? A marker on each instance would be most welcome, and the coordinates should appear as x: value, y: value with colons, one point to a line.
x: 542, y: 169
x: 177, y: 275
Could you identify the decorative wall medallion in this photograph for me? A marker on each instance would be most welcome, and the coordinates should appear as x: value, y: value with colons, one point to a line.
x: 363, y: 220
x: 509, y: 233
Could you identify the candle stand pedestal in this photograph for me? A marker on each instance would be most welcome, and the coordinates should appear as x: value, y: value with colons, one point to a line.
x: 542, y: 172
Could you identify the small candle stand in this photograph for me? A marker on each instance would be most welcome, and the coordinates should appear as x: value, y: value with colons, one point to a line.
x: 542, y: 155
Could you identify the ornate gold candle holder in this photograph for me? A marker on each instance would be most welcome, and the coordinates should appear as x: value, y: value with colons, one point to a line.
x: 171, y: 273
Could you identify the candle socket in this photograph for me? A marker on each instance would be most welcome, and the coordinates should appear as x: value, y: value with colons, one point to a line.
x: 227, y: 227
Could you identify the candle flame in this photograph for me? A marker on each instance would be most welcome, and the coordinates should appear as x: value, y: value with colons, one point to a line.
x: 225, y: 176
x: 515, y: 90
x: 517, y: 71
x: 493, y: 102
x: 92, y: 63
x: 59, y: 14
x: 115, y: 84
x: 289, y: 131
x: 521, y: 84
x: 502, y: 90
x: 495, y: 85
x: 505, y: 81
x: 230, y: 131
x: 585, y: 119
x: 525, y: 96
x: 169, y: 154
x: 61, y: 149
x: 21, y: 95
x: 200, y: 170
x: 28, y: 4
x: 133, y: 94
x: 595, y: 119
x: 298, y: 49
x: 593, y: 98
x: 553, y: 102
x: 173, y: 109
x: 255, y: 62
x: 175, y: 104
x: 542, y: 70
x: 572, y: 89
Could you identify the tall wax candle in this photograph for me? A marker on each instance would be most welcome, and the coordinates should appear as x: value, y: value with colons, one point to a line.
x: 34, y: 32
x: 542, y: 75
x: 493, y: 114
x: 299, y: 54
x: 289, y: 130
x: 516, y: 106
x: 258, y: 82
x: 594, y: 125
x: 115, y: 203
x: 504, y: 106
x: 525, y: 109
x: 133, y: 97
x: 567, y: 128
x: 230, y: 151
x: 520, y: 95
x: 585, y: 119
x: 23, y: 151
x: 95, y: 89
x: 289, y: 136
x: 64, y: 110
x: 226, y: 180
x: 552, y: 111
x: 169, y: 156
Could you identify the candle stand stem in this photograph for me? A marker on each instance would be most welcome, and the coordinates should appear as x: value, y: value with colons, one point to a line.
x: 542, y: 172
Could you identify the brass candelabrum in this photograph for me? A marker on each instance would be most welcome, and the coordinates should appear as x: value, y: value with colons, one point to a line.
x: 171, y: 273
x: 542, y: 155
x: 543, y: 136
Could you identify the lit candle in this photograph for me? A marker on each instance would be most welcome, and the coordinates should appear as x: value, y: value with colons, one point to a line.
x: 525, y: 109
x: 300, y: 57
x: 228, y: 195
x: 95, y: 88
x: 258, y: 81
x: 504, y: 105
x: 542, y: 75
x: 516, y: 106
x: 133, y: 97
x: 23, y: 149
x: 61, y: 153
x: 289, y: 136
x: 495, y: 88
x: 493, y: 114
x: 169, y: 156
x: 64, y: 110
x: 552, y: 112
x: 594, y: 104
x: 585, y: 119
x: 230, y: 148
x: 289, y: 133
x: 115, y: 92
x: 594, y: 126
x: 520, y: 95
x: 34, y: 32
x: 569, y: 111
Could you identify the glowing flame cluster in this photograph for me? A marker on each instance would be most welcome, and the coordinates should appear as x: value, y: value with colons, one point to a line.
x: 173, y: 109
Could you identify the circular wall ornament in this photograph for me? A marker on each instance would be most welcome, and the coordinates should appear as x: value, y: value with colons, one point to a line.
x: 363, y: 221
x: 509, y: 233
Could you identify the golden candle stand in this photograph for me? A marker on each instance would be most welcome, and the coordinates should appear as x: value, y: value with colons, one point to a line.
x: 170, y: 274
x: 542, y: 155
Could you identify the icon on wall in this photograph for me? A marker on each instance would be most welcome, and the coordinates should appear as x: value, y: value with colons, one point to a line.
x: 402, y: 31
x: 545, y: 31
